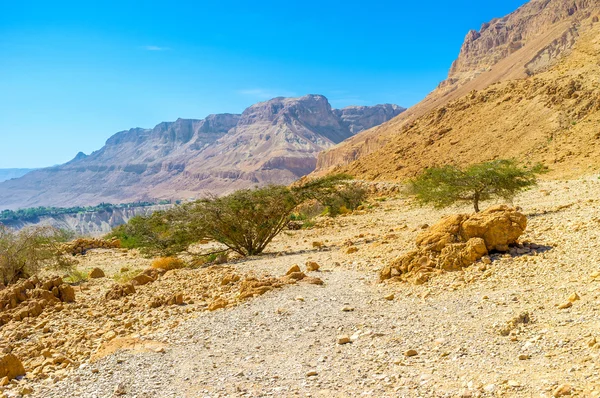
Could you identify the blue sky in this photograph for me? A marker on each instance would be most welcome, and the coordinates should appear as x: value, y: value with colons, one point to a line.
x: 72, y: 73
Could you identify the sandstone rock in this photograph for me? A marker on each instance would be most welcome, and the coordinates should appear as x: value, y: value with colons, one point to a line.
x: 141, y: 279
x: 343, y: 339
x: 410, y: 353
x: 11, y: 366
x: 118, y: 291
x: 66, y: 293
x: 97, y: 273
x: 456, y: 242
x: 295, y: 268
x: 574, y: 297
x: 312, y: 266
x: 218, y: 304
x: 562, y: 390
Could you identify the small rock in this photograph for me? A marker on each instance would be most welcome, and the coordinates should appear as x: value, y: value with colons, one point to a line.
x: 523, y: 357
x: 343, y: 339
x: 311, y: 373
x: 299, y: 298
x: 348, y: 309
x: 295, y: 268
x: 390, y: 297
x: 566, y: 305
x: 97, y: 273
x: 312, y: 266
x: 512, y: 383
x: 160, y: 350
x: 574, y: 297
x: 410, y: 353
x: 120, y: 389
x: 562, y: 390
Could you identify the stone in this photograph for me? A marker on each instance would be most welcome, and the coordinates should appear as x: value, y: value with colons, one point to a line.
x: 343, y: 339
x: 389, y: 297
x: 410, y: 353
x: 351, y: 250
x: 565, y: 305
x: 10, y: 366
x: 141, y: 279
x: 218, y: 304
x: 97, y: 273
x: 120, y: 389
x: 311, y: 373
x: 66, y: 293
x: 574, y: 297
x: 295, y: 269
x: 312, y: 266
x: 523, y: 357
x: 118, y: 291
x: 456, y: 242
x: 562, y: 390
x: 347, y: 309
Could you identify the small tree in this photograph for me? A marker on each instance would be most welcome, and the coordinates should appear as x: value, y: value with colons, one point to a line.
x: 444, y: 186
x: 24, y: 253
x: 245, y: 221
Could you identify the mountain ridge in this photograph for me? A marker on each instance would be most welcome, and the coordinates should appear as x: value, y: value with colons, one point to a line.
x: 275, y: 141
x: 527, y: 44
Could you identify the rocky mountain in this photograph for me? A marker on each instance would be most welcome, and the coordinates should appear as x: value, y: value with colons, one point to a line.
x: 522, y: 86
x: 276, y: 141
x: 7, y: 174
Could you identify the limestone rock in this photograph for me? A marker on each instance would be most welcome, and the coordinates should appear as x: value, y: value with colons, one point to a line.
x: 456, y: 242
x: 11, y: 367
x: 97, y: 273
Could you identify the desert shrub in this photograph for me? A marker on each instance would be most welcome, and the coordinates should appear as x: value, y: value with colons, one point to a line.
x: 76, y: 276
x: 168, y: 263
x: 26, y: 252
x: 444, y: 186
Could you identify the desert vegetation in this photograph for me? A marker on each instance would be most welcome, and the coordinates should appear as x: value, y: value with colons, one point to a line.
x: 245, y: 221
x: 26, y: 252
x: 447, y: 185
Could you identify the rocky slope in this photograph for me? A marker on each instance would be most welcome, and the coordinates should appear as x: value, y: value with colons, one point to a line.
x: 523, y: 78
x: 7, y: 174
x: 271, y: 142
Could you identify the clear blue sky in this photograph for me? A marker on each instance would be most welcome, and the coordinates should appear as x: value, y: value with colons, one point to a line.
x: 72, y: 73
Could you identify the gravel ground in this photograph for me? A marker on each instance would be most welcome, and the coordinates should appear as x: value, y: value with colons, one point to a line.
x: 285, y: 343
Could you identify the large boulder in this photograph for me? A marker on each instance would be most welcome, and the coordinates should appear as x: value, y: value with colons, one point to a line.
x: 458, y: 241
x: 10, y: 367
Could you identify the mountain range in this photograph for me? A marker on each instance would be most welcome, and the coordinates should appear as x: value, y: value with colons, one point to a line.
x: 276, y: 141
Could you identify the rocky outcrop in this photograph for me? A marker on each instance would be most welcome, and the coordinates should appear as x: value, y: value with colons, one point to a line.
x: 82, y: 245
x: 29, y: 298
x: 457, y: 242
x: 275, y: 141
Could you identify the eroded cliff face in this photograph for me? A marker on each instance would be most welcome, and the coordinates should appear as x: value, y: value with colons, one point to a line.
x: 95, y: 223
x: 276, y: 141
x: 523, y: 45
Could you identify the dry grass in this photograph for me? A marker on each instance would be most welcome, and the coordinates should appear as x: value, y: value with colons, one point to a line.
x: 168, y: 263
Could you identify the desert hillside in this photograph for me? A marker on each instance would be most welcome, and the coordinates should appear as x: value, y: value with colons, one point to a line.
x: 276, y: 141
x: 523, y: 86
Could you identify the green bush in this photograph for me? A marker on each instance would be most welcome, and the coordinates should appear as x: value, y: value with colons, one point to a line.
x: 444, y: 186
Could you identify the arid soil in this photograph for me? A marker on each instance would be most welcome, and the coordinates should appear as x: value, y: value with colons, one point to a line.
x: 524, y: 325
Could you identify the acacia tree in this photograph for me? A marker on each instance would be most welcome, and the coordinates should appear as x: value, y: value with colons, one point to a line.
x: 444, y: 186
x: 245, y: 221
